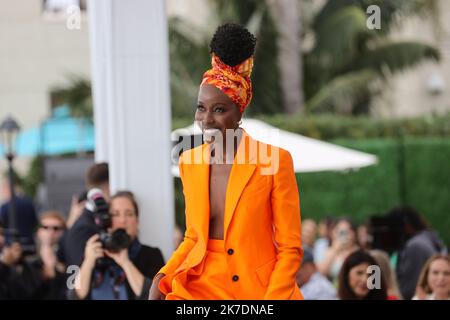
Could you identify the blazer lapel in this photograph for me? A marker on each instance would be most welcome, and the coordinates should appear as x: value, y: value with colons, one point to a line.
x: 202, y: 189
x: 239, y: 176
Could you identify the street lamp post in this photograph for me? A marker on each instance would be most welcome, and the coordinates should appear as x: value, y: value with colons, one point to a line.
x: 9, y: 130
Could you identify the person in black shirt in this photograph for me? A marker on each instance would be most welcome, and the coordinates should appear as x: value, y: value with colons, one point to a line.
x: 26, y: 217
x: 131, y: 272
x: 75, y: 239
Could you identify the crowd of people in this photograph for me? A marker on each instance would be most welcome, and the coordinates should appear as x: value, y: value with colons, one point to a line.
x: 336, y: 264
x: 244, y: 237
x: 338, y: 260
x: 343, y: 261
x: 54, y: 258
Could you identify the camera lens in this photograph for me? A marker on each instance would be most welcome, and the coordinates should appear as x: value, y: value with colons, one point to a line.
x: 117, y: 241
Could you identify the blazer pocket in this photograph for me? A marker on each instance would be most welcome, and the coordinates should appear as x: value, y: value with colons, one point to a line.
x: 264, y: 272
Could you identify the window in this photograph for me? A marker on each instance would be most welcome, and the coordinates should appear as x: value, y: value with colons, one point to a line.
x: 60, y: 6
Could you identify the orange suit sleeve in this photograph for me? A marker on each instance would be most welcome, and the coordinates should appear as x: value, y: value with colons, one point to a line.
x: 285, y: 202
x: 190, y: 238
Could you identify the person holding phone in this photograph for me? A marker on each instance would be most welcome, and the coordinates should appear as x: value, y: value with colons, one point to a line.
x: 343, y: 243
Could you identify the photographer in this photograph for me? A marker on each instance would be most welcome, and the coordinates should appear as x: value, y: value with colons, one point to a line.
x: 11, y: 285
x: 84, y: 227
x: 130, y: 270
x: 40, y: 276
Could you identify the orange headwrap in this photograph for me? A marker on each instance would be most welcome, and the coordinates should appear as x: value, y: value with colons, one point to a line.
x: 233, y: 81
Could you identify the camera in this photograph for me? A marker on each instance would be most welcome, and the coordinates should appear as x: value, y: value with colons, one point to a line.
x: 111, y: 241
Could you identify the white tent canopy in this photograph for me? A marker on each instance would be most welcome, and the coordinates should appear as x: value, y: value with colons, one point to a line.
x: 309, y: 155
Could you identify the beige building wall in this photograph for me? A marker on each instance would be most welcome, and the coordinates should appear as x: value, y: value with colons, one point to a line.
x: 37, y: 52
x: 424, y: 89
x: 197, y: 12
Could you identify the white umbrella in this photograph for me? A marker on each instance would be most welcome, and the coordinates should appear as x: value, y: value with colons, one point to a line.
x: 309, y: 155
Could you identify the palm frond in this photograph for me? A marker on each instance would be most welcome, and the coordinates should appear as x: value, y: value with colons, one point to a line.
x: 189, y: 55
x: 330, y: 8
x: 391, y: 10
x: 343, y: 92
x: 396, y: 56
x: 338, y: 38
x: 188, y: 61
x: 77, y: 95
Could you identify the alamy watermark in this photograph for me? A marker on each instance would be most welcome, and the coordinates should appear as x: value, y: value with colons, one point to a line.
x: 73, y: 21
x: 221, y: 149
x: 374, y: 280
x: 374, y: 20
x: 73, y: 280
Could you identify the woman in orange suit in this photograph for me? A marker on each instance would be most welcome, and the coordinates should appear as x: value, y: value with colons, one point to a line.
x: 242, y: 237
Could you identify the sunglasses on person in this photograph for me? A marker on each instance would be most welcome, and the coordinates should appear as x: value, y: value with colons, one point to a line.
x: 54, y: 228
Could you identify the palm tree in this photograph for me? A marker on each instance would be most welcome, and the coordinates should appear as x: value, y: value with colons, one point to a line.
x: 349, y: 62
x: 77, y: 95
x: 189, y: 46
x: 287, y: 17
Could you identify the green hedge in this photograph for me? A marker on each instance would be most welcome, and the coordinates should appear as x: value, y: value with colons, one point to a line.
x: 376, y: 189
x: 425, y: 172
x: 331, y: 126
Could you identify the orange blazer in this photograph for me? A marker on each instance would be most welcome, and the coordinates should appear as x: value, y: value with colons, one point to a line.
x: 262, y: 220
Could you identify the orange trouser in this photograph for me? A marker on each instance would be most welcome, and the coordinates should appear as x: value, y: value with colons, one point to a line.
x: 207, y: 281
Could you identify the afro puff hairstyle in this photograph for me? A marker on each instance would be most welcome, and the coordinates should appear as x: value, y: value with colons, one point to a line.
x: 232, y: 43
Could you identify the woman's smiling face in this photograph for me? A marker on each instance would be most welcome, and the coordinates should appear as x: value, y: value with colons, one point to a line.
x: 439, y: 277
x: 216, y: 111
x: 357, y: 279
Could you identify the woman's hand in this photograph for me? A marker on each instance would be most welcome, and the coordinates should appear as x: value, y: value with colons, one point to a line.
x: 49, y: 261
x: 76, y: 209
x: 121, y: 257
x: 134, y: 276
x: 155, y: 293
x: 93, y: 251
x: 341, y: 243
x: 11, y: 254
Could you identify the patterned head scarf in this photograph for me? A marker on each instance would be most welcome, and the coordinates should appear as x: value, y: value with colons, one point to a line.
x: 233, y: 81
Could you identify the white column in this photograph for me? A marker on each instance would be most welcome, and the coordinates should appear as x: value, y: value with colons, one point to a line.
x: 130, y: 77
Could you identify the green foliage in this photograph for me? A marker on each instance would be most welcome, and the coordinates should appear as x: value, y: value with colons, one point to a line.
x: 189, y: 56
x: 391, y: 11
x: 334, y: 51
x: 346, y: 49
x: 188, y: 61
x: 396, y: 56
x: 334, y: 193
x: 343, y: 92
x: 428, y: 180
x: 331, y: 126
x: 77, y: 95
x: 34, y: 176
x: 376, y: 189
x: 180, y: 218
x: 29, y: 182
